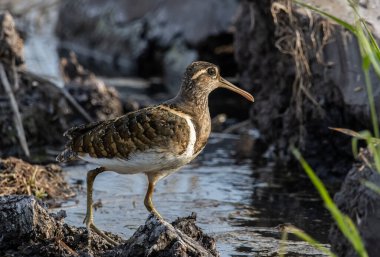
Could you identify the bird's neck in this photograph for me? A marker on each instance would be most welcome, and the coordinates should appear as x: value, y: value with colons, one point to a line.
x: 195, y: 105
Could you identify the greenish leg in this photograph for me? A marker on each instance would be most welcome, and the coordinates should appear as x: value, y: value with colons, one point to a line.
x: 89, y: 219
x: 148, y: 197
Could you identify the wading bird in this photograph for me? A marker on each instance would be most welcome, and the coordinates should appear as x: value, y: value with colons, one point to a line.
x: 156, y: 141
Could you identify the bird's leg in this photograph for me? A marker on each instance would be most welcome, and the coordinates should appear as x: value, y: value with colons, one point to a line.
x: 148, y: 197
x: 89, y: 219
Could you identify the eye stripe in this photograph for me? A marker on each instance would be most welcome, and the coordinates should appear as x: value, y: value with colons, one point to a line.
x: 198, y: 73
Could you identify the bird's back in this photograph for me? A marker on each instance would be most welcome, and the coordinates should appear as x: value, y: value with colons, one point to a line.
x: 136, y: 132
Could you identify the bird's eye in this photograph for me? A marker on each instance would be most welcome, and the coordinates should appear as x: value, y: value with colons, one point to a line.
x: 211, y: 72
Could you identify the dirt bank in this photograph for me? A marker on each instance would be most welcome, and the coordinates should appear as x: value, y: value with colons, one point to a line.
x: 306, y: 75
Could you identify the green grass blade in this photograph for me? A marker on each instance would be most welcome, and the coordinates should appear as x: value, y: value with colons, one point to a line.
x: 373, y: 144
x: 341, y: 22
x: 363, y: 23
x: 314, y: 179
x: 373, y: 41
x: 377, y: 157
x: 376, y: 154
x: 354, y: 144
x: 344, y: 223
x: 284, y: 238
x: 305, y: 237
x: 372, y: 186
x: 372, y: 106
x: 367, y: 50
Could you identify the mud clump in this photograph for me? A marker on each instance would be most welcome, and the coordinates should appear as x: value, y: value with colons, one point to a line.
x: 362, y: 205
x: 44, y: 182
x: 159, y: 238
x: 27, y: 229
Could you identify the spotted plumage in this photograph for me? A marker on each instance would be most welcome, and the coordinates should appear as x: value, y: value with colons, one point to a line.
x: 135, y: 132
x: 155, y: 140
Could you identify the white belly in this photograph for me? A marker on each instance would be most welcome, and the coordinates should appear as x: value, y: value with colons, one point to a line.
x: 144, y: 162
x: 154, y: 160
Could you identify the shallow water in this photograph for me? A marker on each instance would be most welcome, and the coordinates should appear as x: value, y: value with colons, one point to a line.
x: 240, y: 205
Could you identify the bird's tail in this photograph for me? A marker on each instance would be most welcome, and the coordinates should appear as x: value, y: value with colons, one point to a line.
x: 67, y: 155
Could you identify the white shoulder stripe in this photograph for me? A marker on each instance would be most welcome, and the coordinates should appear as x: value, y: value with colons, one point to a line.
x: 189, y: 152
x: 192, y: 135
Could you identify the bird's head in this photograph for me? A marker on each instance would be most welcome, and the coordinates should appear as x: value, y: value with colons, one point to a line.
x: 201, y: 78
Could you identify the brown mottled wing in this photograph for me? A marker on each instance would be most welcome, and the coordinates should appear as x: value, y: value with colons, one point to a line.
x: 149, y: 128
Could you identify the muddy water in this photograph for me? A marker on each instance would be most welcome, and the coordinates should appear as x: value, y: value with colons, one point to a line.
x: 238, y: 204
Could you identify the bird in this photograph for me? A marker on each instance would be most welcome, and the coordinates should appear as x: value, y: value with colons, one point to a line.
x: 156, y: 140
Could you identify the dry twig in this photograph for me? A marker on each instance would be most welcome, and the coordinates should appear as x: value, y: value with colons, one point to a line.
x: 16, y: 112
x: 66, y: 94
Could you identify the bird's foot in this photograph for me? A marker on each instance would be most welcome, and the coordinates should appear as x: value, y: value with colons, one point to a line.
x: 157, y: 215
x: 101, y: 233
x: 91, y: 227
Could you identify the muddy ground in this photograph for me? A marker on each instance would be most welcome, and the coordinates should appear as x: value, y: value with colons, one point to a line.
x: 29, y: 230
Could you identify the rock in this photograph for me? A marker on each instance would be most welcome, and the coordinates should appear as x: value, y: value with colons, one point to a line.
x: 159, y: 238
x: 362, y: 205
x: 26, y: 228
x: 296, y: 104
x: 22, y: 216
x: 121, y: 38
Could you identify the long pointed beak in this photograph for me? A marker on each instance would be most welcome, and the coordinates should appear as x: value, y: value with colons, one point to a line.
x: 225, y: 84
